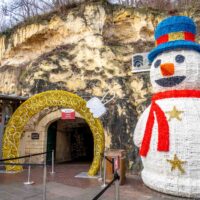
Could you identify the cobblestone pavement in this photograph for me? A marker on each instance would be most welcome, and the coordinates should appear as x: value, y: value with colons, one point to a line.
x: 64, y: 186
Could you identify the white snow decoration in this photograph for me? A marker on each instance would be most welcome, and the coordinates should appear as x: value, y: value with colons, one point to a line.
x: 96, y: 107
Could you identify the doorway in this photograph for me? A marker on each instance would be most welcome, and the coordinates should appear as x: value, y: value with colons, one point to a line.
x: 72, y: 141
x: 51, y: 141
x: 82, y: 144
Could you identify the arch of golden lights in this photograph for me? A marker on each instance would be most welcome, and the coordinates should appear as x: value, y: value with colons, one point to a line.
x: 37, y: 103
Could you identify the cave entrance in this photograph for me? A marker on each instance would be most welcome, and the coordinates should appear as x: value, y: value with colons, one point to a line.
x: 12, y: 140
x: 71, y: 140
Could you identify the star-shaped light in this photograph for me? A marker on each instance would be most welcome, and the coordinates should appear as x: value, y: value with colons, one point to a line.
x: 174, y: 113
x: 176, y: 163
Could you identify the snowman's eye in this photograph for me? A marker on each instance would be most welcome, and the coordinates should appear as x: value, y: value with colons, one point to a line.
x: 179, y: 59
x: 157, y: 63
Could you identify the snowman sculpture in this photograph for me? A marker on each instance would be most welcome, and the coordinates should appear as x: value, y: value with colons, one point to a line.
x: 168, y: 132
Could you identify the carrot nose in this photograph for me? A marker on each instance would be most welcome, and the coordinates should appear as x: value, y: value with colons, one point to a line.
x: 167, y: 69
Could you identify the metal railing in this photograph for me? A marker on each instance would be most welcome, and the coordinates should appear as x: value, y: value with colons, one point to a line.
x: 115, y: 179
x: 105, y: 186
x: 29, y: 164
x: 25, y: 156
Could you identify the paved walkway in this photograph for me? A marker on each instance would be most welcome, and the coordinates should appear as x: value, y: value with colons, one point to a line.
x: 63, y: 186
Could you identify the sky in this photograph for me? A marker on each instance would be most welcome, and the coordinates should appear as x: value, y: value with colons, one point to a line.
x: 5, y: 1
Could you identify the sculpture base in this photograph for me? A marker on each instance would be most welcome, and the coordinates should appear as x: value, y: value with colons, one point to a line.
x: 177, y: 186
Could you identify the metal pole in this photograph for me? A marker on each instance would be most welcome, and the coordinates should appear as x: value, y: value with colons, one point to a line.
x: 117, y: 190
x: 44, y: 181
x: 116, y: 176
x: 104, y: 171
x: 28, y: 182
x: 52, y: 163
x: 100, y: 174
x: 115, y: 166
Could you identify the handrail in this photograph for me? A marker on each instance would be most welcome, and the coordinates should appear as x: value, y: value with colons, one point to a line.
x: 23, y: 164
x: 26, y: 156
x: 116, y: 177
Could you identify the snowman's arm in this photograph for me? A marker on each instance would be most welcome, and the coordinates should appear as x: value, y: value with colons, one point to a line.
x: 140, y: 128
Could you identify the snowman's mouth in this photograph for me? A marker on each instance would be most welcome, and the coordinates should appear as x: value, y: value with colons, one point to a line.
x: 171, y: 81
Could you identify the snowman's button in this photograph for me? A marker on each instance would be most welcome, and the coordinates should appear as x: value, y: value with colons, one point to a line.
x: 176, y: 163
x: 174, y: 114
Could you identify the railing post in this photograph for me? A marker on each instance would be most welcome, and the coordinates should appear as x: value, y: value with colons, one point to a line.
x: 117, y: 194
x: 44, y: 180
x: 100, y: 173
x: 28, y: 182
x: 104, y: 171
x: 52, y: 162
x: 117, y: 190
x: 116, y: 176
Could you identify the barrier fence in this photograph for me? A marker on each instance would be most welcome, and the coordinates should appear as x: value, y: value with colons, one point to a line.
x: 25, y: 156
x: 105, y: 186
x: 29, y: 164
x: 115, y: 179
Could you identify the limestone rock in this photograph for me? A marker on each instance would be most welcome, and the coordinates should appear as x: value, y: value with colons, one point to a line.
x: 87, y: 51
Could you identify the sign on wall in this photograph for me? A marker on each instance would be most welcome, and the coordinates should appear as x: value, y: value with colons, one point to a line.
x: 67, y: 114
x: 140, y: 62
x: 35, y: 136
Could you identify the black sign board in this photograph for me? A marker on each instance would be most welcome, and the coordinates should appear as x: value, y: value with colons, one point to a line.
x: 35, y: 136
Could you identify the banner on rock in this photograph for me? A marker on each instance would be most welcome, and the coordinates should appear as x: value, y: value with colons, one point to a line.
x: 67, y: 114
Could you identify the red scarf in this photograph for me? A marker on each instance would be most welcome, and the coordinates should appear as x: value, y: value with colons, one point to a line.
x: 163, y: 127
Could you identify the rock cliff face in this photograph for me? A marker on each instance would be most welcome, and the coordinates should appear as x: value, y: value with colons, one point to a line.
x: 86, y: 51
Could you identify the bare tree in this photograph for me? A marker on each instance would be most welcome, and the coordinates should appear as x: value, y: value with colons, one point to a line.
x: 187, y: 4
x: 60, y: 3
x: 156, y: 4
x: 20, y: 10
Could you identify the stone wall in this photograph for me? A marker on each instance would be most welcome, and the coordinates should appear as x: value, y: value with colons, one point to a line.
x: 86, y: 51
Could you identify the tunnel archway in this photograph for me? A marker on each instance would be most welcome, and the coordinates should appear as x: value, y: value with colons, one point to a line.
x: 71, y: 140
x: 41, y: 101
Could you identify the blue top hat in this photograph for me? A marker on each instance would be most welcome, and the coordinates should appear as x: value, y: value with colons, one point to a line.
x: 172, y: 33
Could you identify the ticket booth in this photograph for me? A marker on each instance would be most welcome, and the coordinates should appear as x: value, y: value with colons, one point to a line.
x: 119, y: 158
